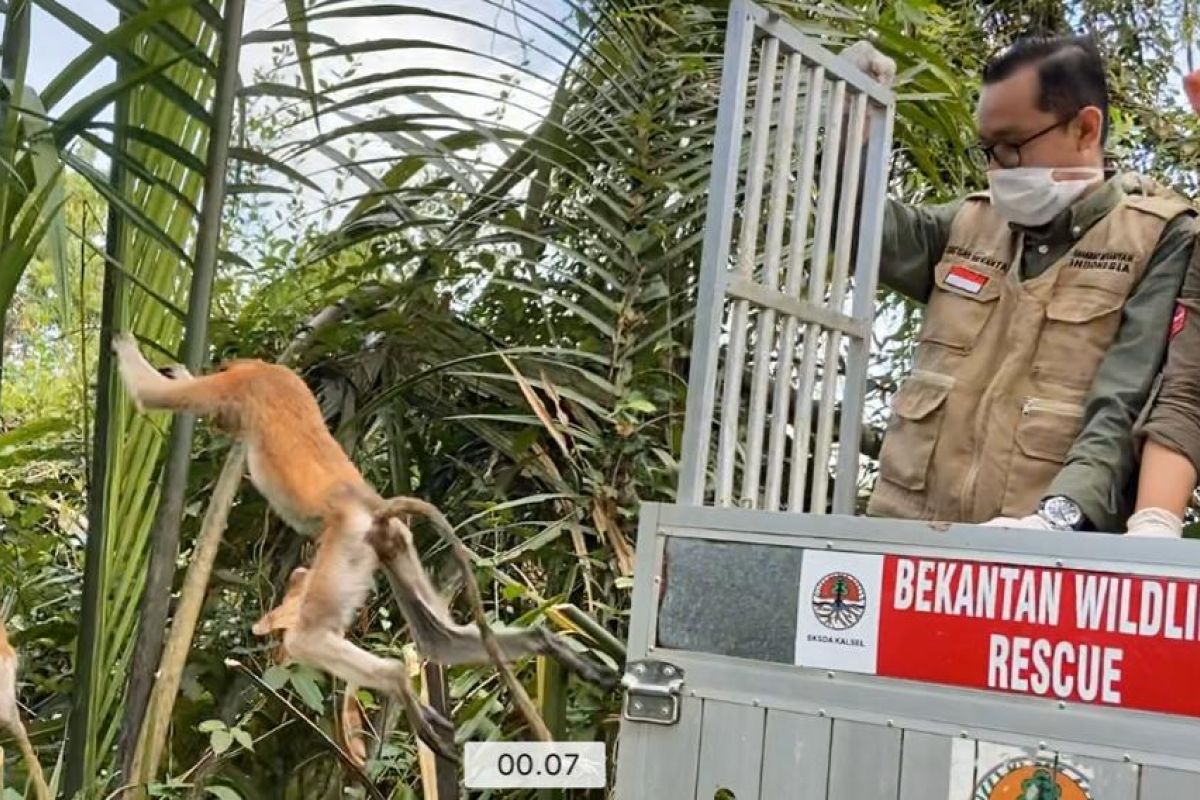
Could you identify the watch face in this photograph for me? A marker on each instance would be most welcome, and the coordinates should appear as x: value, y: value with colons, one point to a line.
x: 1063, y: 512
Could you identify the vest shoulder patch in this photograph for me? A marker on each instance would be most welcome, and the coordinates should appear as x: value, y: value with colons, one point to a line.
x: 1178, y: 320
x: 1163, y: 206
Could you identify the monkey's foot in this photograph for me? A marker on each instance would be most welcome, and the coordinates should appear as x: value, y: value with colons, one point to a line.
x: 437, y: 733
x: 589, y: 671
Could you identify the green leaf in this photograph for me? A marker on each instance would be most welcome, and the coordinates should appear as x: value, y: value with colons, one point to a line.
x: 243, y: 738
x: 254, y: 157
x: 276, y: 677
x: 307, y: 688
x: 223, y: 793
x: 221, y: 740
x: 210, y: 725
x: 298, y: 20
x: 114, y: 43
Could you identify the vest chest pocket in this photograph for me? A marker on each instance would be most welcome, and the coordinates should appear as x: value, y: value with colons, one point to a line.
x: 1044, y: 435
x: 963, y: 300
x: 1081, y: 322
x: 917, y: 411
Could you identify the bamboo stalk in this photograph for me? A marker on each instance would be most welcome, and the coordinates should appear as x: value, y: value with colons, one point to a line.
x: 164, y: 537
x: 79, y: 747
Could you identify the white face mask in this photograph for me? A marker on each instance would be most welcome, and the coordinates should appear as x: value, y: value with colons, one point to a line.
x: 1031, y: 196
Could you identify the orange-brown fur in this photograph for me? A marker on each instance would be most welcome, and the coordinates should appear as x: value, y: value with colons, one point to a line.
x: 10, y: 714
x: 310, y: 482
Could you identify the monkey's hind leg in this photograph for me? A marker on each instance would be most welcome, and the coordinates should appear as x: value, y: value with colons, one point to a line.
x: 328, y: 651
x: 434, y: 630
x: 10, y: 720
x: 442, y: 640
x: 31, y: 762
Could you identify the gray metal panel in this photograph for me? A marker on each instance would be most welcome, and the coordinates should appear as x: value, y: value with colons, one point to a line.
x: 1074, y: 550
x: 1087, y: 730
x: 714, y: 589
x: 925, y: 765
x: 731, y: 747
x: 1109, y: 780
x: 1167, y: 784
x: 645, y: 569
x: 864, y: 762
x: 660, y: 761
x: 795, y: 756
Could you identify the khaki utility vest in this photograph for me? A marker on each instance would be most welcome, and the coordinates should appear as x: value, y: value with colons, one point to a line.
x: 995, y: 400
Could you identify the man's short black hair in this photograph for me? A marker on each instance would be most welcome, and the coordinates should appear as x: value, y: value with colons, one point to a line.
x: 1070, y: 70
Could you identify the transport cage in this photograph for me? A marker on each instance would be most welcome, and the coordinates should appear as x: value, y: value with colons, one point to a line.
x: 782, y: 648
x: 805, y: 657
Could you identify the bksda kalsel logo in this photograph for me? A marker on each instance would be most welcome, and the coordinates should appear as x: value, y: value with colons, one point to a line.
x: 839, y: 601
x: 1032, y: 779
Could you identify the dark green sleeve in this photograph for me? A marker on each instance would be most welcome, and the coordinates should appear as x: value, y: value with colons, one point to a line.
x: 1099, y: 467
x: 1174, y: 421
x: 913, y: 240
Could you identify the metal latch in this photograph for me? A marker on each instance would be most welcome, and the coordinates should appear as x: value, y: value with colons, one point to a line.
x: 652, y: 690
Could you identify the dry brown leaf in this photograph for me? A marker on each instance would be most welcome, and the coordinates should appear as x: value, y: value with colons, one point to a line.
x: 426, y: 759
x: 551, y: 390
x: 354, y: 723
x: 604, y: 514
x: 539, y: 408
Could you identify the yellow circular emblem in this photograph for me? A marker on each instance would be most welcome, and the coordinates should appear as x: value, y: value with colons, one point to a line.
x: 1033, y: 779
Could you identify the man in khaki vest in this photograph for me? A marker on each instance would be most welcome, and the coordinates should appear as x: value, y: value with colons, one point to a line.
x: 1046, y: 300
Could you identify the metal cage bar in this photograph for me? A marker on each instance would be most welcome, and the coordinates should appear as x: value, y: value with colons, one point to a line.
x: 779, y: 284
x: 738, y: 319
x: 795, y: 281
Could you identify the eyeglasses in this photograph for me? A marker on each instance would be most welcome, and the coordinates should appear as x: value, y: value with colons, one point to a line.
x: 1003, y: 153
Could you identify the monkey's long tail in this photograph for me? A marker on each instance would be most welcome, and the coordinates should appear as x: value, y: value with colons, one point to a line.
x: 31, y: 762
x: 397, y: 506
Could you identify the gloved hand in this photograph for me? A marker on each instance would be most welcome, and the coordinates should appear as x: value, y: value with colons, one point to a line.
x: 863, y: 55
x: 1157, y: 522
x: 1032, y: 521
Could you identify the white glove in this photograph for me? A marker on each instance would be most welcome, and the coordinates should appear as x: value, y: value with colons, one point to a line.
x: 863, y: 55
x: 1032, y: 521
x: 1156, y: 522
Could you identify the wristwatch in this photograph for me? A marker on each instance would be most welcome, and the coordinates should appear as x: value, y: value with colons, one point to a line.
x: 1062, y: 514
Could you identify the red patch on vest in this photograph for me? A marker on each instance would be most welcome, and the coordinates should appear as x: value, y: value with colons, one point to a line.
x: 1178, y: 320
x: 967, y: 279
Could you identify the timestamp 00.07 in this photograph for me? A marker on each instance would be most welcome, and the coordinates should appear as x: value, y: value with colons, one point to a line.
x: 534, y: 765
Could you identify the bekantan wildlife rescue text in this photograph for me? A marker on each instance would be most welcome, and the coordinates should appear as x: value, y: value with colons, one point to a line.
x: 1058, y: 633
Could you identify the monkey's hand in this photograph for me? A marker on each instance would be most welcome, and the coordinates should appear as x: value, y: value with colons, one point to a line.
x: 175, y: 372
x: 129, y: 358
x: 284, y: 616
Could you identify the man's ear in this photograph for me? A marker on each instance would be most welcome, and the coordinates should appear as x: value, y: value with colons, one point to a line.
x: 1090, y: 124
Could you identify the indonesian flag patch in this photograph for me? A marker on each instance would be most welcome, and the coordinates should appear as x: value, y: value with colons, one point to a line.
x: 967, y: 279
x: 1179, y: 319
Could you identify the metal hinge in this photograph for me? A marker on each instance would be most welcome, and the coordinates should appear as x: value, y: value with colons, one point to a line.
x: 652, y: 690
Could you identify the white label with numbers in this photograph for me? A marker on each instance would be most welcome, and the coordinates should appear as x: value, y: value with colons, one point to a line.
x: 534, y: 765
